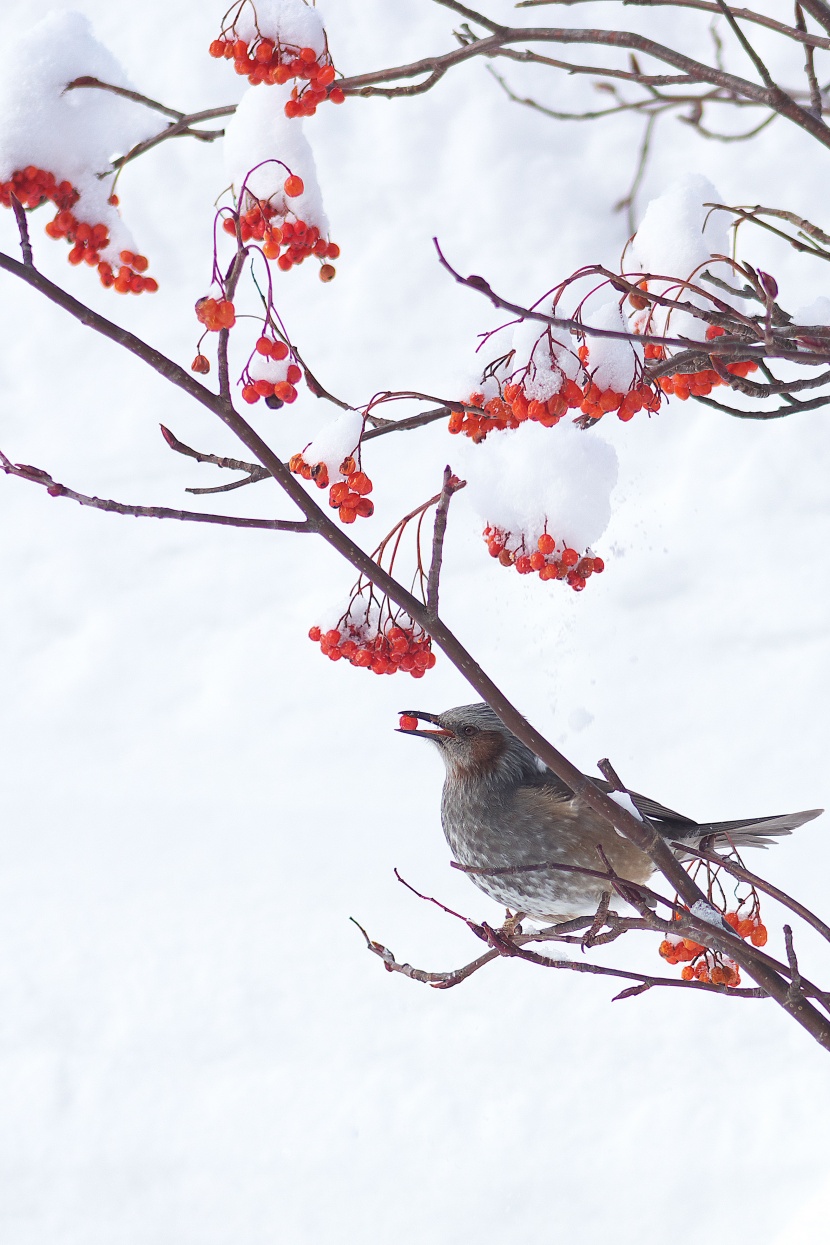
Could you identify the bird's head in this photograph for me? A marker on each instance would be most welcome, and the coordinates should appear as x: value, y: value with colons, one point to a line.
x: 474, y: 743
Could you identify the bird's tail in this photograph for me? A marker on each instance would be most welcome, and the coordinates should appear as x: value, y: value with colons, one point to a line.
x: 752, y: 831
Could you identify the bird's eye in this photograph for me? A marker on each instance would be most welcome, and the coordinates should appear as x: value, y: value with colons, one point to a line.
x: 468, y: 730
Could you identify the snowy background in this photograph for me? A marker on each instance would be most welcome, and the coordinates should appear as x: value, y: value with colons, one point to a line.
x: 195, y: 1046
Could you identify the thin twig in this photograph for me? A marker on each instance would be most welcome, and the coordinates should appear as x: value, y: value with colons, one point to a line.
x: 796, y: 993
x: 23, y: 229
x: 763, y: 72
x: 36, y: 475
x: 229, y: 464
x: 450, y: 486
x: 709, y: 6
x: 628, y: 201
x: 744, y: 875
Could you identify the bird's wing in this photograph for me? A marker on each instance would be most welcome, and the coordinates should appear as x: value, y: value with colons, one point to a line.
x: 651, y: 809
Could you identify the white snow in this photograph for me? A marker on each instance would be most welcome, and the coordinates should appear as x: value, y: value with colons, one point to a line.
x: 612, y: 362
x: 541, y: 354
x: 625, y: 801
x: 814, y: 313
x: 677, y: 238
x: 73, y: 134
x: 705, y: 912
x: 259, y: 141
x: 519, y: 478
x: 679, y: 233
x: 262, y: 367
x: 196, y: 1047
x: 336, y: 441
x: 285, y: 21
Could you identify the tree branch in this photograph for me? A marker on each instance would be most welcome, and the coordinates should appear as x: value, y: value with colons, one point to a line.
x: 583, y: 788
x: 37, y: 476
x: 451, y: 485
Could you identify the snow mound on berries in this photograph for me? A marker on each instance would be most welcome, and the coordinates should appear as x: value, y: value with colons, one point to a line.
x: 548, y: 361
x: 678, y: 238
x: 530, y: 476
x: 273, y: 370
x: 72, y: 134
x: 613, y: 362
x: 259, y: 141
x: 679, y: 233
x: 290, y: 22
x: 335, y: 442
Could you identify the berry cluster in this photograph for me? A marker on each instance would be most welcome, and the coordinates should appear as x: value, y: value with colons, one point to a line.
x: 512, y: 409
x: 275, y: 392
x: 549, y: 560
x: 684, y: 385
x: 705, y: 965
x: 215, y: 314
x: 397, y: 644
x: 597, y: 402
x: 288, y: 242
x: 349, y: 496
x: 275, y: 63
x: 750, y: 927
x: 32, y: 186
x: 700, y: 964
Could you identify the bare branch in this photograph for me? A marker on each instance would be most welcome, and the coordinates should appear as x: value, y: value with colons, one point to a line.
x: 23, y: 229
x: 743, y: 874
x: 451, y: 485
x: 584, y: 789
x: 518, y: 949
x: 709, y: 6
x: 36, y: 475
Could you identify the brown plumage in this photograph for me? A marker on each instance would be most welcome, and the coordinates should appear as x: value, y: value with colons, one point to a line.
x: 503, y: 808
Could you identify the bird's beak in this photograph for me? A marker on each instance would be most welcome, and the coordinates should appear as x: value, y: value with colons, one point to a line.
x: 441, y: 733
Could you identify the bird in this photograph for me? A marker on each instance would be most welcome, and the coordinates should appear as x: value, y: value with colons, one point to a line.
x: 504, y: 809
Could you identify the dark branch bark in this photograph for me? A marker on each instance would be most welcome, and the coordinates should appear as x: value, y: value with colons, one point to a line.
x: 36, y: 475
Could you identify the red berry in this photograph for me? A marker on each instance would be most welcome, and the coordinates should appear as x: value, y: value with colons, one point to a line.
x: 408, y: 723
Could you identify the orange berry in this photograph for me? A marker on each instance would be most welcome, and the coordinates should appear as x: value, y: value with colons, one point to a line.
x: 758, y: 937
x: 200, y: 364
x: 546, y: 543
x: 360, y: 483
x: 327, y: 272
x: 293, y: 186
